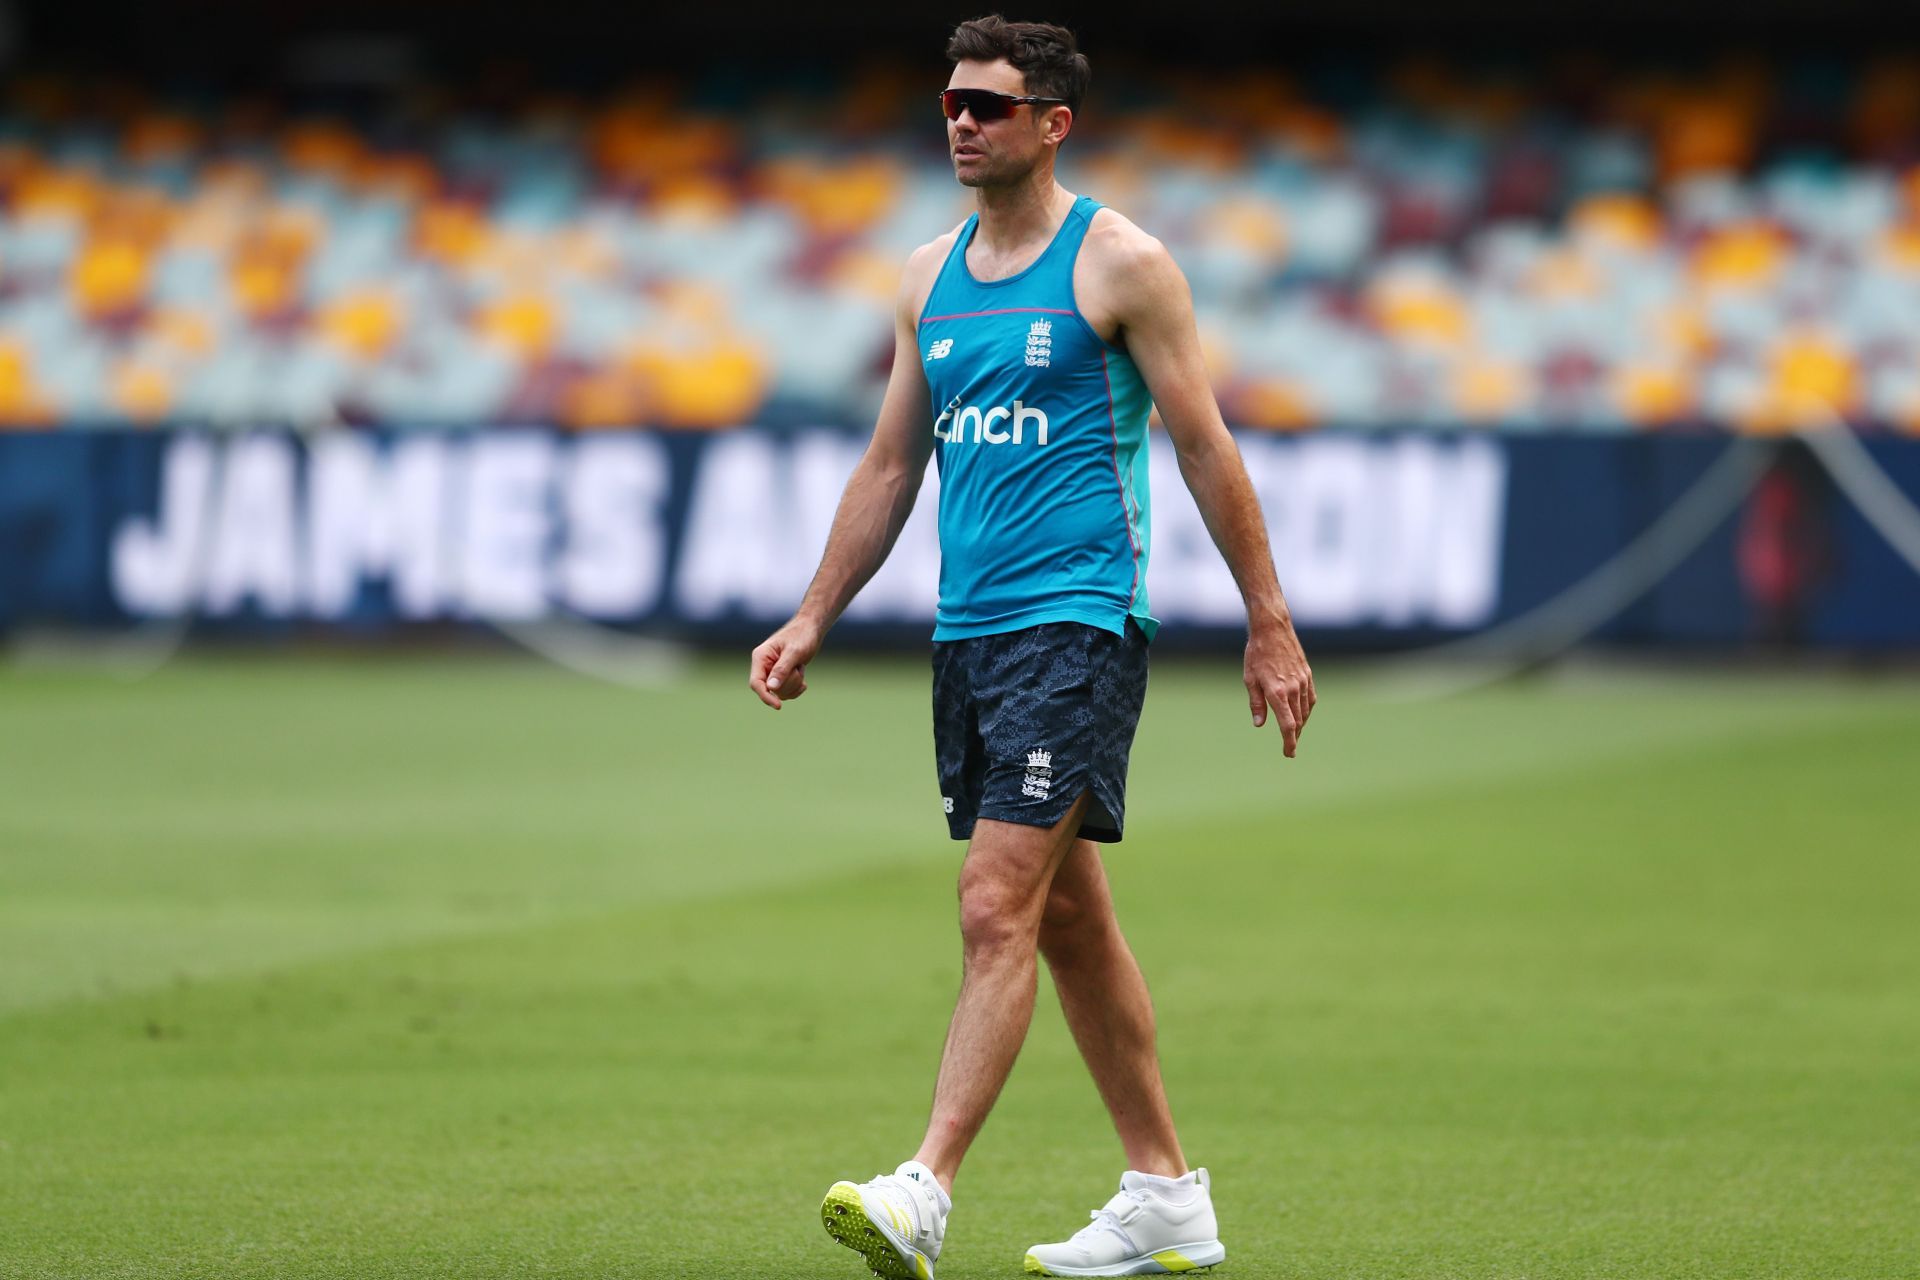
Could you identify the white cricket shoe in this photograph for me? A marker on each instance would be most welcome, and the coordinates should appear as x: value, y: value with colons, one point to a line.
x: 1149, y: 1228
x: 895, y: 1222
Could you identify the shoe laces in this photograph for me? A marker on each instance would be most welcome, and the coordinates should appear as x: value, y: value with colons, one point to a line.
x: 1107, y: 1216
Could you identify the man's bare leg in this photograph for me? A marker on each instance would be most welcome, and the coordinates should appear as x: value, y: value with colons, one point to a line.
x: 1108, y: 1009
x: 1003, y: 893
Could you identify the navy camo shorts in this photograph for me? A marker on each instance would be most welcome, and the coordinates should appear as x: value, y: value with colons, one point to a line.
x: 1026, y: 721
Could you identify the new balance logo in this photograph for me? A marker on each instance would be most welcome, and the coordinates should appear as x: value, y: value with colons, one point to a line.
x: 938, y: 351
x: 969, y: 424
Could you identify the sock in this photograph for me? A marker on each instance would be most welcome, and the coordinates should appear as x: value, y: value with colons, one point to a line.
x: 1180, y: 1190
x: 920, y: 1173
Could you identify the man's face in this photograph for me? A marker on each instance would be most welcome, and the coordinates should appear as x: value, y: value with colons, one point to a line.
x: 994, y: 153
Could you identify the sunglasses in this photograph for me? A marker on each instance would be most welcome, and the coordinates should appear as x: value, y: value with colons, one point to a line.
x: 984, y: 103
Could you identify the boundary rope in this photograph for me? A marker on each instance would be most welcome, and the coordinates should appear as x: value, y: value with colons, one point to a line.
x: 1557, y: 624
x: 599, y: 652
x: 1869, y: 487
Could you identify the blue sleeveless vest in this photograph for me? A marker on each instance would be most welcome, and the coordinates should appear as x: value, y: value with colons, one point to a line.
x: 1041, y: 441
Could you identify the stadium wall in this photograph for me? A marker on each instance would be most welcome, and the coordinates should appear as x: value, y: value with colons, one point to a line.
x: 1384, y: 541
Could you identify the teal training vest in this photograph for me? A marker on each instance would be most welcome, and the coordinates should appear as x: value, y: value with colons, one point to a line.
x: 1041, y: 441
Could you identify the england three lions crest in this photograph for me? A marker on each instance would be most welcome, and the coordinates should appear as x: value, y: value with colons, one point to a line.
x: 1040, y: 344
x: 1039, y: 782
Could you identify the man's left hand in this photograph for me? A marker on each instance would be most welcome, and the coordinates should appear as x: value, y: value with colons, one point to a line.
x: 1277, y: 676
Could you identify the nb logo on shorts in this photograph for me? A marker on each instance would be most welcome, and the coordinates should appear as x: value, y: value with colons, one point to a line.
x: 1039, y: 783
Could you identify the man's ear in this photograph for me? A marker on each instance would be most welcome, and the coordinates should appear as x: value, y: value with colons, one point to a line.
x: 1059, y: 124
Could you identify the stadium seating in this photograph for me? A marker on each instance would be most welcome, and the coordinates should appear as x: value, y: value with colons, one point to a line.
x: 1417, y: 246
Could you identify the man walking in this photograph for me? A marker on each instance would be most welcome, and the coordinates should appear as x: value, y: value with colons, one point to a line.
x: 1043, y: 329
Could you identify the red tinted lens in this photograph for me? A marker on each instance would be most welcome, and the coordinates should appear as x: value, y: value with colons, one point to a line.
x: 984, y: 103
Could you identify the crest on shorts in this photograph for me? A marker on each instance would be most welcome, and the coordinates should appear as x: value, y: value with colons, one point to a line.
x: 1039, y: 781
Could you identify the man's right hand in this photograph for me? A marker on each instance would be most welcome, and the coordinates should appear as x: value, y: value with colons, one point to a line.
x: 778, y: 671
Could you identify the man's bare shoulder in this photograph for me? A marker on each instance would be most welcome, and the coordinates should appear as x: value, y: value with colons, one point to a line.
x: 1118, y: 244
x: 923, y: 267
x: 1129, y: 267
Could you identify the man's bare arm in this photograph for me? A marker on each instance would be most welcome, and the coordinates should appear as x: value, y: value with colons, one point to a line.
x: 1149, y: 297
x: 874, y: 507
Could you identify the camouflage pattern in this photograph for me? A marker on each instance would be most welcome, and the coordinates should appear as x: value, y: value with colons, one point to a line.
x: 1025, y: 721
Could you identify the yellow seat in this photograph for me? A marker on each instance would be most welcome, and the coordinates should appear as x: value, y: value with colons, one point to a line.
x: 108, y: 277
x: 524, y: 323
x: 21, y: 403
x: 362, y: 322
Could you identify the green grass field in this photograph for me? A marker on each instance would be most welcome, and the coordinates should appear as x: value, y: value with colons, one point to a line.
x: 468, y: 968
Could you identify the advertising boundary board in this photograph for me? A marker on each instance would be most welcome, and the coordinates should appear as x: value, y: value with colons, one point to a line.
x: 1382, y: 540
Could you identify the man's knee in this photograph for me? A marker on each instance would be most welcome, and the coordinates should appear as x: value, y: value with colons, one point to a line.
x: 1074, y: 918
x: 995, y: 915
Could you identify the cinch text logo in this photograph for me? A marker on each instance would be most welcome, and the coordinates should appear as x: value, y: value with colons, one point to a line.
x: 970, y: 424
x: 938, y: 351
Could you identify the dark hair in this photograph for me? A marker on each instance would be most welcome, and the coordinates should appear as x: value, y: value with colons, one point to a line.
x: 1044, y: 54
